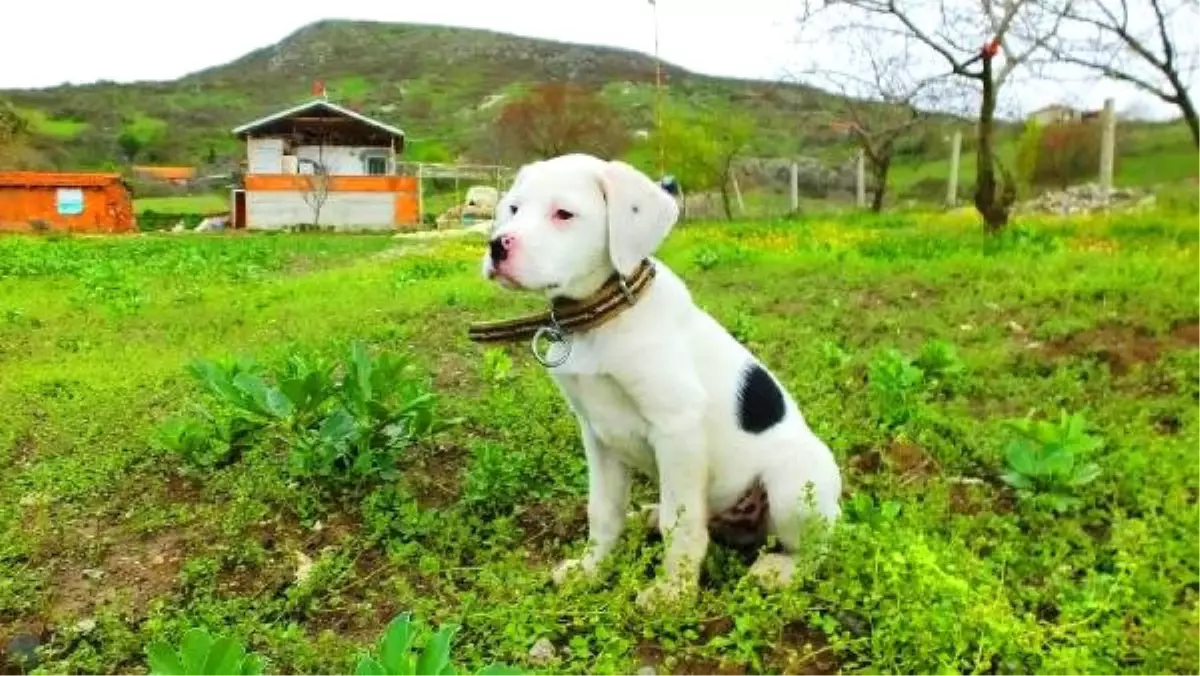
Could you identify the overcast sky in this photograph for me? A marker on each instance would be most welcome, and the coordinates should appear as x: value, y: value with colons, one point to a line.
x: 79, y: 41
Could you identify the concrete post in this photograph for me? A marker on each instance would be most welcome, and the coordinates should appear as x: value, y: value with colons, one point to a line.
x: 952, y: 183
x: 1108, y: 142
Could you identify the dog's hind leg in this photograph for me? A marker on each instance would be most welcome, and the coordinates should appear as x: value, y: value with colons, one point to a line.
x: 798, y: 509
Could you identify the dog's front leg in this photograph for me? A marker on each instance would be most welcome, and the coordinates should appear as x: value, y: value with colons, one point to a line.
x: 671, y: 399
x: 608, y: 496
x: 682, y: 509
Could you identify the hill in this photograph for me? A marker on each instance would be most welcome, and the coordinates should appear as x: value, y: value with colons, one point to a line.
x: 440, y: 84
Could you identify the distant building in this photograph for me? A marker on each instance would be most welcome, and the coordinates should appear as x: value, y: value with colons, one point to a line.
x: 322, y: 162
x: 1059, y: 113
x: 33, y: 201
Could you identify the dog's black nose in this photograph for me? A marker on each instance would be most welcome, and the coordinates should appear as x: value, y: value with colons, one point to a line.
x: 499, y: 253
x: 499, y: 248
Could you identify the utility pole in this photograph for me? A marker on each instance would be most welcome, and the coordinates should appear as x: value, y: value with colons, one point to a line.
x: 657, y: 93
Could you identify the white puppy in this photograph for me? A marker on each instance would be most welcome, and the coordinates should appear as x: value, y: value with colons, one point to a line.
x: 660, y: 388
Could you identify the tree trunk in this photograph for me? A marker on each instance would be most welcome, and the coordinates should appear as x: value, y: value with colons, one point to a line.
x: 1187, y: 107
x: 726, y: 173
x: 881, y: 169
x: 991, y: 201
x: 725, y: 200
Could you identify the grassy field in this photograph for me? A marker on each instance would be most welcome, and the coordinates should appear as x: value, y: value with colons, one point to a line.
x: 363, y: 459
x: 1149, y: 155
x: 184, y: 204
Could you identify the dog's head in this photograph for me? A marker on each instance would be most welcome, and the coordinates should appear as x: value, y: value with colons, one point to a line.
x: 568, y: 223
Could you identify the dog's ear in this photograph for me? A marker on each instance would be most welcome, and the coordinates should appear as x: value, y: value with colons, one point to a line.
x: 640, y: 214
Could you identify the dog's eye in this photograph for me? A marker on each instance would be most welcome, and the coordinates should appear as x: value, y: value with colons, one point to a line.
x: 563, y: 215
x: 512, y: 208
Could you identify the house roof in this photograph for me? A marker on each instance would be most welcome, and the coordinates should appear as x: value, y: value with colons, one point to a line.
x: 312, y: 105
x: 51, y: 179
x: 1052, y: 106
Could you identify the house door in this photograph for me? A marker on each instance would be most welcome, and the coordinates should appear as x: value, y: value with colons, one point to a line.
x: 239, y: 209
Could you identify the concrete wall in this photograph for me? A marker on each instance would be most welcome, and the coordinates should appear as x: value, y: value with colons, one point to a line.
x: 274, y: 210
x: 340, y: 160
x: 264, y: 155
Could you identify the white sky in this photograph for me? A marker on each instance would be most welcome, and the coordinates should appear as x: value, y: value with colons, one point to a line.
x: 48, y: 43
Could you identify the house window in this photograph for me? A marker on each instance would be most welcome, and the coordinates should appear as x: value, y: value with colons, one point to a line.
x: 376, y: 165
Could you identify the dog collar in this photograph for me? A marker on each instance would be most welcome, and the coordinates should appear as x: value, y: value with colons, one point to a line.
x: 567, y: 316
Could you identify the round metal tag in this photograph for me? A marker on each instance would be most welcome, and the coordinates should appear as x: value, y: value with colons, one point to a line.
x: 551, y: 335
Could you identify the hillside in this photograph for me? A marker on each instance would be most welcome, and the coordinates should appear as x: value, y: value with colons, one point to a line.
x: 440, y: 84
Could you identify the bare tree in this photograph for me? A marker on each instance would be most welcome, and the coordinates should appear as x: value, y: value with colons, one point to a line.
x: 1151, y: 46
x: 316, y: 184
x: 982, y: 42
x: 883, y: 100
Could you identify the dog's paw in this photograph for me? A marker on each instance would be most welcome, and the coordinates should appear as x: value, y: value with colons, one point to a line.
x: 773, y: 571
x: 572, y: 568
x: 666, y: 594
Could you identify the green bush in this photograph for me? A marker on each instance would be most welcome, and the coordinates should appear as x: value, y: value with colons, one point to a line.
x: 1067, y: 153
x: 346, y: 430
x: 200, y: 653
x: 396, y: 654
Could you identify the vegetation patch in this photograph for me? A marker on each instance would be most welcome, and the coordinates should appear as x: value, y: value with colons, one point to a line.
x: 263, y: 453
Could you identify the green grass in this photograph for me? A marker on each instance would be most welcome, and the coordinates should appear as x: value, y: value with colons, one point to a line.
x: 187, y: 204
x: 55, y: 128
x: 909, y: 341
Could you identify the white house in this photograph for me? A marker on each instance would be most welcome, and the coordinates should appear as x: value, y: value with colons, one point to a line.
x: 324, y: 164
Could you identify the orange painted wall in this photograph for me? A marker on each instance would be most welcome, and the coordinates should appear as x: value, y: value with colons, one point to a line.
x: 106, y: 209
x: 405, y: 188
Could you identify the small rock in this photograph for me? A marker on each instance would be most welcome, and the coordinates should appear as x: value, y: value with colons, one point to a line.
x: 93, y: 573
x: 542, y: 652
x: 304, y: 566
x: 86, y: 625
x: 21, y: 651
x: 158, y: 559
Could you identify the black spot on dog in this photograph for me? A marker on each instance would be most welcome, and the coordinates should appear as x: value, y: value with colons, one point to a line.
x: 635, y: 208
x: 760, y: 403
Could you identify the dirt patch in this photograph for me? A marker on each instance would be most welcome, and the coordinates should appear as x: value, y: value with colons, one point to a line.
x: 364, y: 609
x: 972, y: 497
x: 23, y: 449
x: 548, y: 525
x: 867, y: 462
x: 181, y: 489
x: 902, y: 458
x: 1122, y: 346
x: 909, y: 460
x: 134, y: 568
x: 454, y: 371
x: 804, y: 650
x: 435, y: 475
x: 1186, y: 333
x: 1168, y: 425
x: 650, y: 654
